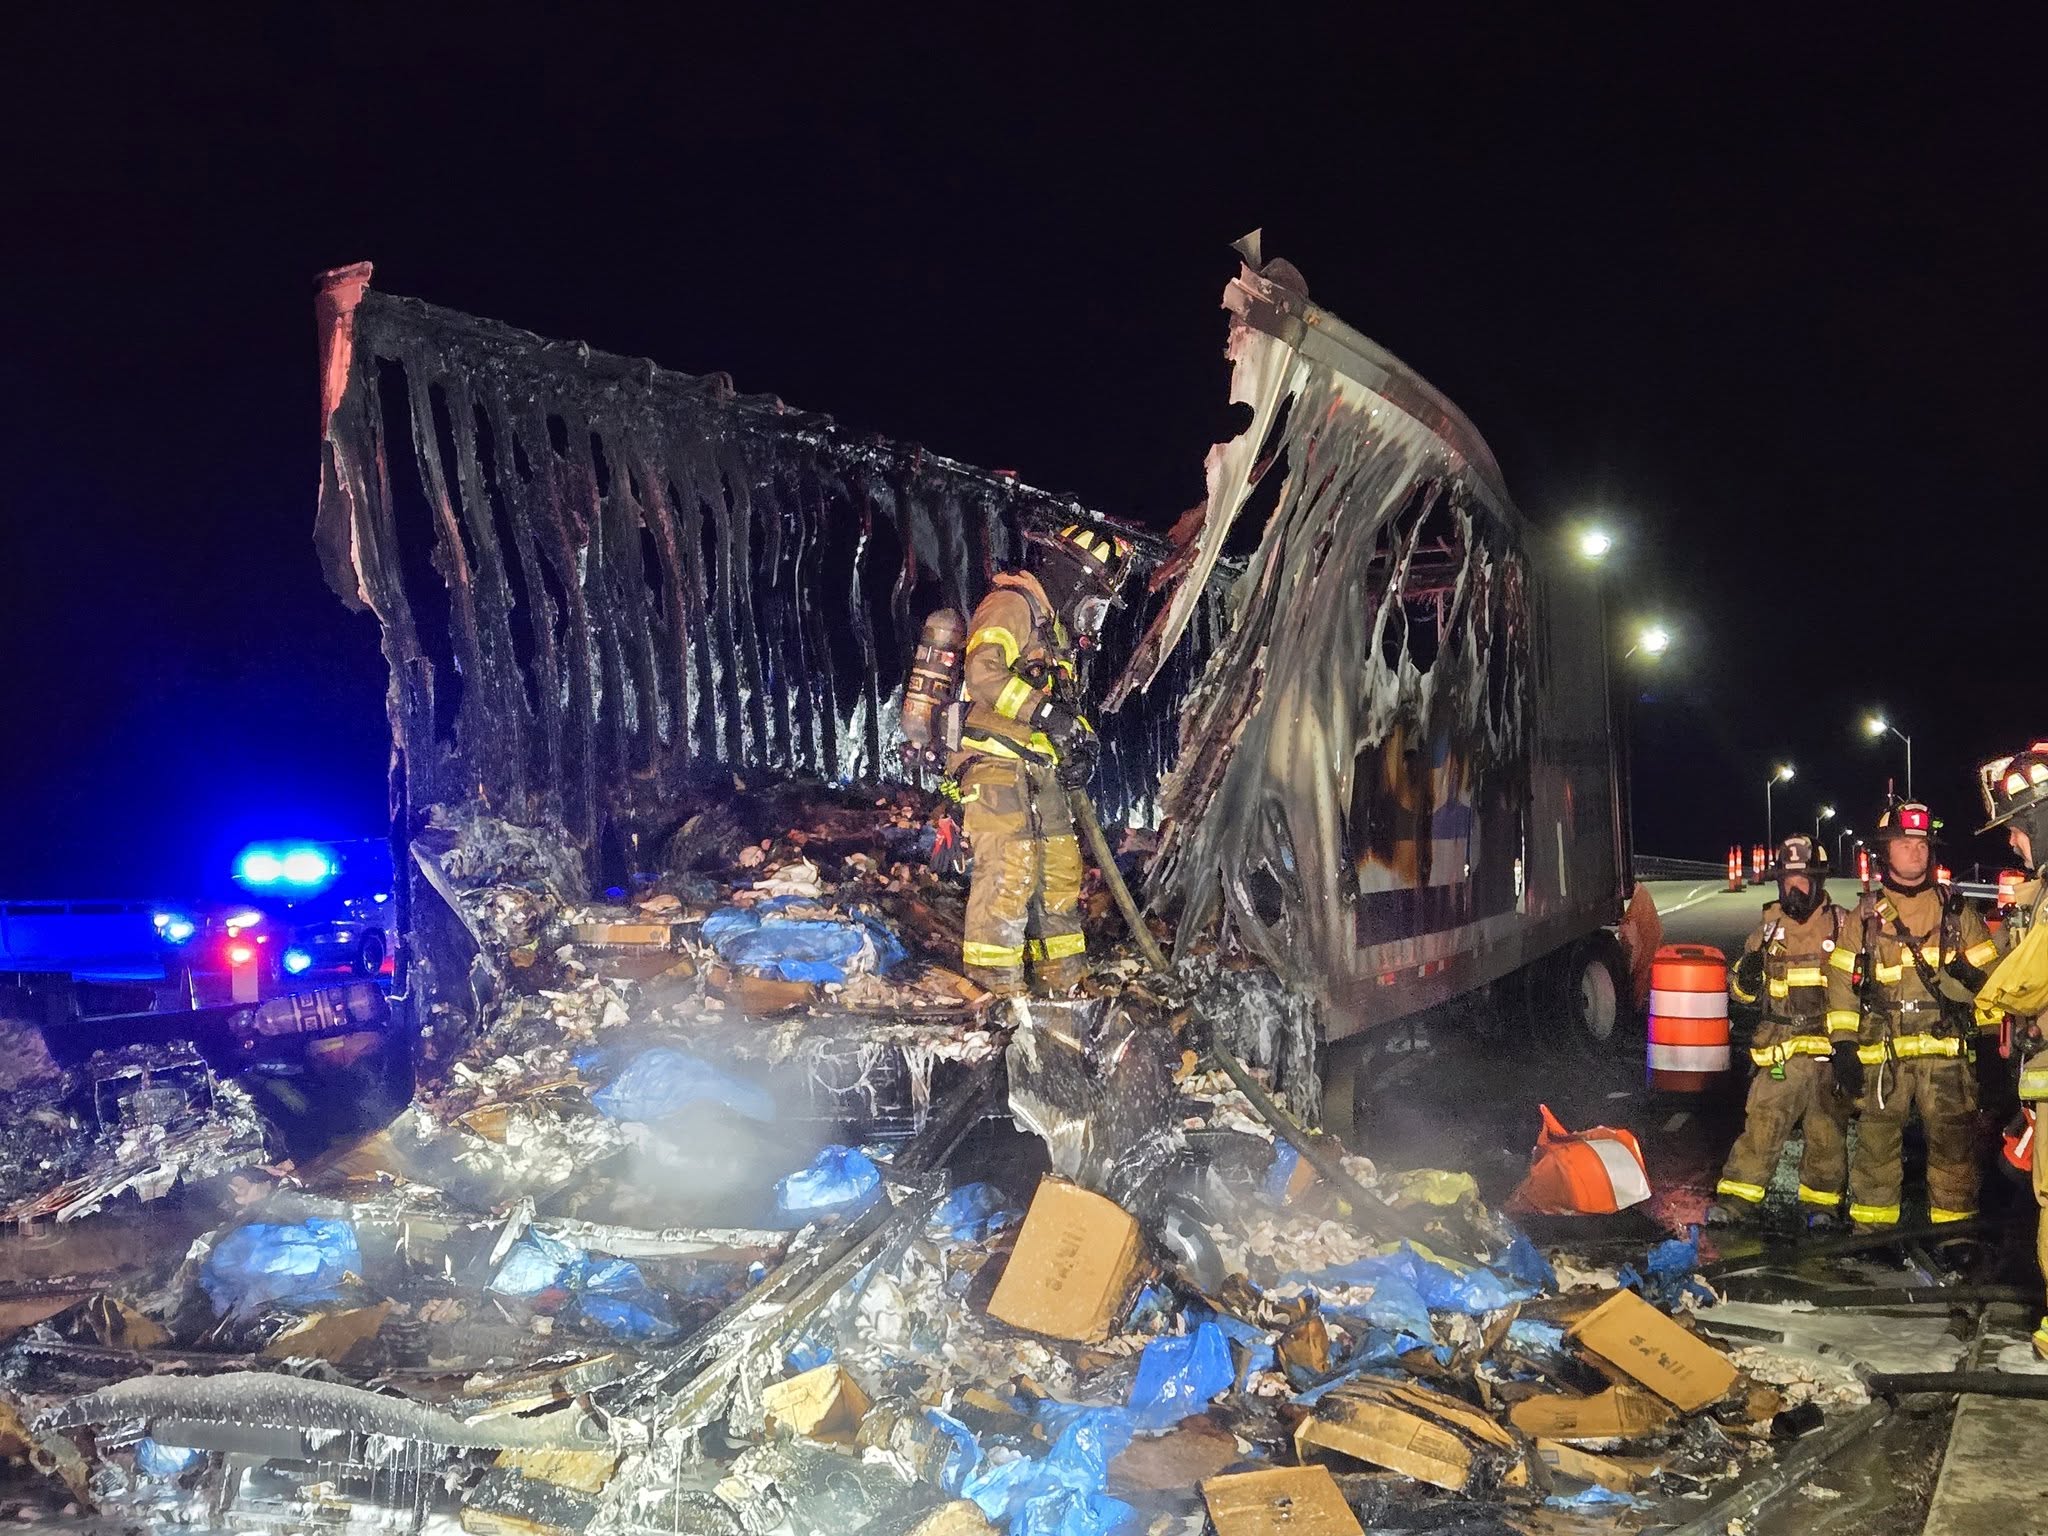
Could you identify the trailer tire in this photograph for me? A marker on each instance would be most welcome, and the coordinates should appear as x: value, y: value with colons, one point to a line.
x: 1583, y: 999
x: 370, y: 955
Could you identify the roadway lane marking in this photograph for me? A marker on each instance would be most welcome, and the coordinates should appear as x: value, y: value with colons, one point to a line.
x: 1695, y: 896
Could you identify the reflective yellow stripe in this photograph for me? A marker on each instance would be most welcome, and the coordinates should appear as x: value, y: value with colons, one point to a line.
x: 1931, y: 953
x: 994, y: 746
x: 999, y: 637
x: 2041, y: 1339
x: 1753, y: 1193
x: 1780, y: 988
x: 1785, y: 1050
x: 1842, y: 960
x: 1042, y: 745
x: 1910, y: 1048
x: 1804, y: 976
x: 1735, y: 991
x: 1937, y: 1215
x: 1015, y: 695
x: 1061, y: 946
x: 1819, y: 1197
x: 1891, y: 975
x: 1844, y: 1021
x: 991, y: 955
x: 1981, y: 955
x: 1875, y: 1215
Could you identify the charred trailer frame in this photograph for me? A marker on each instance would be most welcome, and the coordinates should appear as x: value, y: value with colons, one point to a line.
x: 1398, y: 779
x: 603, y: 586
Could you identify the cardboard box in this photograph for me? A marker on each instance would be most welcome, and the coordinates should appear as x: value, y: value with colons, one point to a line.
x: 1285, y: 1501
x: 1420, y: 1434
x: 1073, y: 1268
x: 1619, y: 1413
x: 1582, y: 1467
x: 624, y: 933
x: 823, y: 1404
x: 1634, y: 1337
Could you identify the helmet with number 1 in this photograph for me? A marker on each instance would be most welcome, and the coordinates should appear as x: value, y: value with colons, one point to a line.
x: 1802, y: 873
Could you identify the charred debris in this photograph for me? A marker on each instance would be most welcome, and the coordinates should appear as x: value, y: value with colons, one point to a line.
x: 713, y: 1198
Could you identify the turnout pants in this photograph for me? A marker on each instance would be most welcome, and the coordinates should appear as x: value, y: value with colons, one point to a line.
x: 1943, y: 1090
x: 1025, y: 898
x: 2041, y: 1199
x: 1804, y: 1099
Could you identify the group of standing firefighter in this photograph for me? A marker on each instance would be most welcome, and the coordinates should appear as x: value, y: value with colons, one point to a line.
x: 1876, y: 1012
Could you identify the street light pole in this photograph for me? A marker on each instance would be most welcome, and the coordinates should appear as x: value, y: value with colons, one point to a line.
x: 1877, y: 725
x: 1779, y: 775
x: 1824, y: 813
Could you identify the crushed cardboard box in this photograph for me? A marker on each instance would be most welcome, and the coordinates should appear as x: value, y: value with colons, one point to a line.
x: 1634, y: 1337
x: 1284, y: 1501
x: 1419, y: 1433
x: 823, y: 1404
x: 1075, y: 1264
x: 1619, y: 1413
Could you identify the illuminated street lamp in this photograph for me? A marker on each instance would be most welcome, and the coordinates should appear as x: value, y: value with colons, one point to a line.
x: 1595, y: 545
x: 1782, y: 774
x: 1842, y: 839
x: 1875, y: 726
x: 1825, y: 813
x: 1653, y: 640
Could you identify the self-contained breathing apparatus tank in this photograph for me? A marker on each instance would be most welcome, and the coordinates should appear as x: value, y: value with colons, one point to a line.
x: 931, y: 697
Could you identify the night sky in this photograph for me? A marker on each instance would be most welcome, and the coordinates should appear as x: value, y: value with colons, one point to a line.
x: 1769, y: 303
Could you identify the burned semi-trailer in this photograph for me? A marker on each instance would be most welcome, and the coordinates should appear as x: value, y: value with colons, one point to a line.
x: 1377, y: 754
x: 1398, y: 780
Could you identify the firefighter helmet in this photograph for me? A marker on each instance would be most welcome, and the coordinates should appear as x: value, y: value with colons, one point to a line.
x: 1908, y: 818
x: 2014, y: 785
x: 1799, y: 855
x: 1105, y: 558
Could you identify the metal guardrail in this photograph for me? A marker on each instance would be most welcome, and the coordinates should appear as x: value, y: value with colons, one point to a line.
x: 1648, y: 868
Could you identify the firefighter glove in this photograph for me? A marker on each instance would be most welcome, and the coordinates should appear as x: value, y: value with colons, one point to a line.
x: 1078, y: 757
x: 1848, y: 1068
x: 1749, y: 977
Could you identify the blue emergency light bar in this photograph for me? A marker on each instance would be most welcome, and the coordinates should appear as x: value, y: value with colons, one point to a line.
x: 286, y: 866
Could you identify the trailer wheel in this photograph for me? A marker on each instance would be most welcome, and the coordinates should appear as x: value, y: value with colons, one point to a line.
x: 1583, y: 996
x: 370, y: 955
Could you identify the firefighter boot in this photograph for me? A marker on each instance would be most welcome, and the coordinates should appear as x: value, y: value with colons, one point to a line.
x: 1730, y: 1211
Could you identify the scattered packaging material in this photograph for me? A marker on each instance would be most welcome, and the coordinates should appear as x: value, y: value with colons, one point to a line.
x: 1633, y: 1336
x: 1283, y: 1501
x: 332, y: 1336
x: 1181, y: 1376
x: 824, y: 1404
x: 1074, y: 1266
x: 624, y: 933
x: 1418, y: 1433
x: 836, y: 1178
x: 1619, y: 1413
x: 661, y: 1083
x: 295, y: 1263
x: 1583, y: 1467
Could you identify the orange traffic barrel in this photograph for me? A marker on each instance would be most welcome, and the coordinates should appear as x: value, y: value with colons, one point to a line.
x: 1688, y: 1018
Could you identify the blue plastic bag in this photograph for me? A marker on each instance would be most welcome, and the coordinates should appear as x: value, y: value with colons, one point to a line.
x: 971, y: 1213
x: 766, y: 939
x: 836, y: 1178
x: 1595, y: 1497
x: 294, y: 1263
x: 610, y: 1293
x: 1286, y: 1157
x: 1523, y: 1262
x: 1060, y: 1493
x: 156, y: 1460
x: 1180, y: 1376
x: 1440, y: 1287
x: 660, y: 1083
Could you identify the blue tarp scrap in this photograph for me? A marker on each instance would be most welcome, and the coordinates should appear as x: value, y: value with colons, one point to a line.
x: 1060, y: 1493
x: 1286, y: 1157
x: 1179, y: 1376
x: 1595, y: 1497
x: 836, y: 1178
x: 153, y: 1459
x: 1669, y: 1273
x: 784, y: 937
x: 295, y: 1263
x: 610, y: 1293
x: 1533, y: 1334
x: 1524, y: 1262
x: 972, y: 1213
x: 1258, y: 1344
x: 661, y: 1083
x: 1442, y: 1287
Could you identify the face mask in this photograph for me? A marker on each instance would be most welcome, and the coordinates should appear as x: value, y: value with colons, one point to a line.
x: 1089, y: 614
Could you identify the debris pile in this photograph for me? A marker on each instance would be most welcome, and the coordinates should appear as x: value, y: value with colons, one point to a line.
x: 616, y: 1269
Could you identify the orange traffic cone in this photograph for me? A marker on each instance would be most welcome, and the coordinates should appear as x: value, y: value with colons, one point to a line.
x: 1593, y: 1173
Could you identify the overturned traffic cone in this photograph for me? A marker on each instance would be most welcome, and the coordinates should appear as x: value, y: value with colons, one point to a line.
x: 1591, y: 1173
